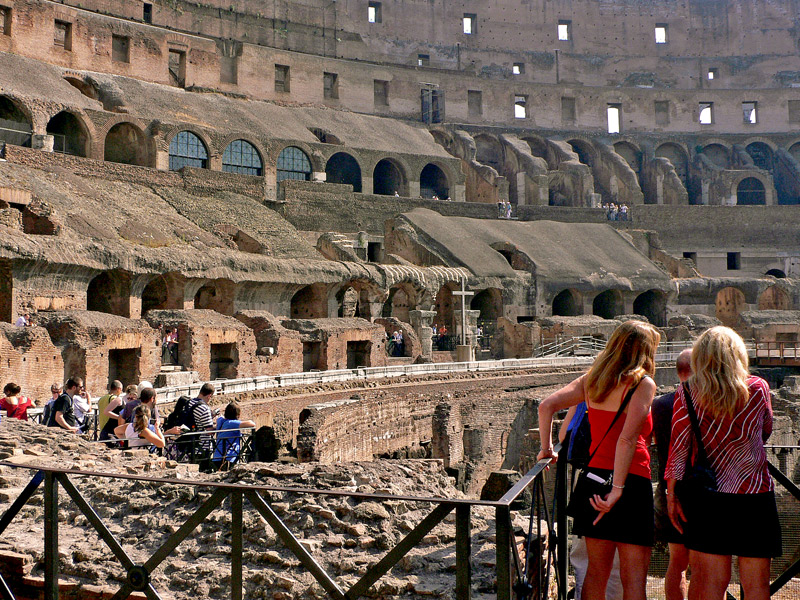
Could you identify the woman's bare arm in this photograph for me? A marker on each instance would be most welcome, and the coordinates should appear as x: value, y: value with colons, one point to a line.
x: 569, y: 395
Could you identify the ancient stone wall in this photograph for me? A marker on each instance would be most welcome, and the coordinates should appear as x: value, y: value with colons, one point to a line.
x: 30, y: 359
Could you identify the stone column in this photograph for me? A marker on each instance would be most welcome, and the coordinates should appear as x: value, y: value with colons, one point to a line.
x: 421, y: 321
x: 472, y: 326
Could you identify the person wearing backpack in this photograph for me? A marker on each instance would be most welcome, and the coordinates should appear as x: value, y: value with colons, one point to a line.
x: 62, y: 413
x: 196, y: 416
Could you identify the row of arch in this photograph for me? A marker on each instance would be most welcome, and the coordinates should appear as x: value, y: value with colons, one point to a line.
x: 608, y: 304
x: 126, y: 143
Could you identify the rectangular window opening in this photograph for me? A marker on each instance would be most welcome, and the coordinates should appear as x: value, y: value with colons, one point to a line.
x: 712, y: 74
x: 706, y: 113
x: 518, y: 68
x: 5, y: 20
x: 567, y: 110
x: 661, y: 33
x: 120, y: 48
x: 63, y: 35
x: 475, y: 103
x: 565, y: 31
x: 281, y: 78
x: 423, y: 60
x: 614, y: 112
x: 358, y: 354
x: 750, y: 112
x: 432, y: 105
x: 330, y: 84
x: 374, y: 12
x: 177, y: 67
x: 662, y: 112
x: 224, y: 361
x: 734, y: 261
x: 520, y: 107
x: 794, y: 111
x: 381, y: 92
x: 470, y: 23
x: 123, y: 364
x: 147, y: 12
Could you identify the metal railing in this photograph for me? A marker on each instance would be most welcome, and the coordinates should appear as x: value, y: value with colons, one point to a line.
x: 777, y: 351
x: 582, y: 346
x: 526, y: 577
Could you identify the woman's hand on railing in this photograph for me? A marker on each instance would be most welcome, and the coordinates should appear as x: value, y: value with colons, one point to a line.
x: 546, y: 453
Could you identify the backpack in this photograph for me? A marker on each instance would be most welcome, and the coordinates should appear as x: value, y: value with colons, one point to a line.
x: 187, y: 414
x: 580, y: 437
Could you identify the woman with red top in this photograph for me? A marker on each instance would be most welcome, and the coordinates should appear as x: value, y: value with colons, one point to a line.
x: 16, y: 406
x: 622, y: 519
x: 734, y: 415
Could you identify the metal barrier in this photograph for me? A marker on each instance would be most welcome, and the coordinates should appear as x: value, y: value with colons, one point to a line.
x: 532, y: 574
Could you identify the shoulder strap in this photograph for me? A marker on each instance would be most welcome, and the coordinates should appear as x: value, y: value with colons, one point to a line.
x: 623, y: 405
x: 701, y: 449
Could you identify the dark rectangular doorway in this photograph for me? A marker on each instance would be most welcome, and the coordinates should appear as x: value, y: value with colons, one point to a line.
x: 311, y: 355
x: 358, y: 354
x: 224, y: 361
x: 123, y: 364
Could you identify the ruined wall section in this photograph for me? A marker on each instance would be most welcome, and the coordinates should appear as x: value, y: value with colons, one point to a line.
x: 30, y: 358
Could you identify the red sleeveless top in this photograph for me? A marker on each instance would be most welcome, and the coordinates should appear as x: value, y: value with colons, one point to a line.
x: 599, y: 420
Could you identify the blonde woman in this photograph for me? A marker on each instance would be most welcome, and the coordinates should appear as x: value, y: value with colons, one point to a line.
x: 140, y: 432
x: 618, y: 390
x: 734, y: 414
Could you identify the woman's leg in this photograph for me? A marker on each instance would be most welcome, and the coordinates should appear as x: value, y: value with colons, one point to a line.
x: 711, y: 574
x: 601, y: 557
x: 754, y: 575
x: 633, y: 564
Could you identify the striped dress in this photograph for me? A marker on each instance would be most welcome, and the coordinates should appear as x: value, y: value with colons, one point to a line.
x: 735, y: 446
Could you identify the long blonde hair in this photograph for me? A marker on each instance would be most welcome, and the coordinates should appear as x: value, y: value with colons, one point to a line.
x: 629, y: 354
x: 141, y: 418
x: 720, y: 367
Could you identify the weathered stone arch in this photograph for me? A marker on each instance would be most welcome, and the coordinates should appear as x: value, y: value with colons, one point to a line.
x: 777, y: 273
x: 653, y: 305
x: 110, y: 292
x: 489, y: 151
x: 70, y: 134
x: 762, y: 154
x: 403, y: 298
x: 218, y: 295
x: 389, y: 177
x: 444, y: 306
x: 677, y: 155
x: 344, y: 168
x: 774, y: 298
x: 567, y: 303
x: 607, y: 304
x: 253, y: 144
x: 750, y: 191
x: 631, y: 153
x: 729, y: 304
x: 490, y: 304
x: 585, y: 151
x: 433, y: 181
x: 309, y: 302
x: 719, y: 154
x: 16, y: 120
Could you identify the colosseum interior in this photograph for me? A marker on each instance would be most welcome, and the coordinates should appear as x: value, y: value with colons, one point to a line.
x: 287, y: 184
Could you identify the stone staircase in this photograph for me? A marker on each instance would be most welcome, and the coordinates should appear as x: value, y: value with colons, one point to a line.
x: 338, y: 246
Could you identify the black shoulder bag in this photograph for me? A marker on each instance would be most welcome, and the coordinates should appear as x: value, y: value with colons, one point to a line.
x: 698, y: 476
x: 589, y: 484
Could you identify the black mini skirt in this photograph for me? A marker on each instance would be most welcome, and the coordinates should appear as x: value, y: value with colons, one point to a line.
x: 733, y: 524
x: 630, y: 521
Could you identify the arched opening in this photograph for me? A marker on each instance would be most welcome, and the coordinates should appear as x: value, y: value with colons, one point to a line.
x: 343, y: 168
x: 584, y: 150
x: 155, y: 295
x: 309, y: 303
x: 69, y: 135
x: 718, y: 155
x: 400, y: 302
x: 125, y: 143
x: 679, y: 159
x: 85, y: 88
x: 187, y: 150
x: 443, y: 305
x: 761, y: 155
x: 653, y: 305
x: 388, y: 179
x: 566, y: 304
x: 490, y: 303
x: 109, y: 293
x: 631, y: 154
x: 216, y: 295
x: 488, y: 151
x: 326, y: 137
x: 347, y: 299
x: 729, y: 304
x: 794, y: 150
x: 774, y: 298
x: 750, y: 191
x: 293, y: 163
x: 15, y: 126
x: 433, y: 183
x: 776, y: 273
x: 607, y: 304
x: 242, y: 157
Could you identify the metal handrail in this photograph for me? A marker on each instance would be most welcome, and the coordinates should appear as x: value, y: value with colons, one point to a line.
x: 138, y: 576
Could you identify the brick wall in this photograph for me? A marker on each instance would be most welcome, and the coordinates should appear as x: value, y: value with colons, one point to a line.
x: 30, y: 359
